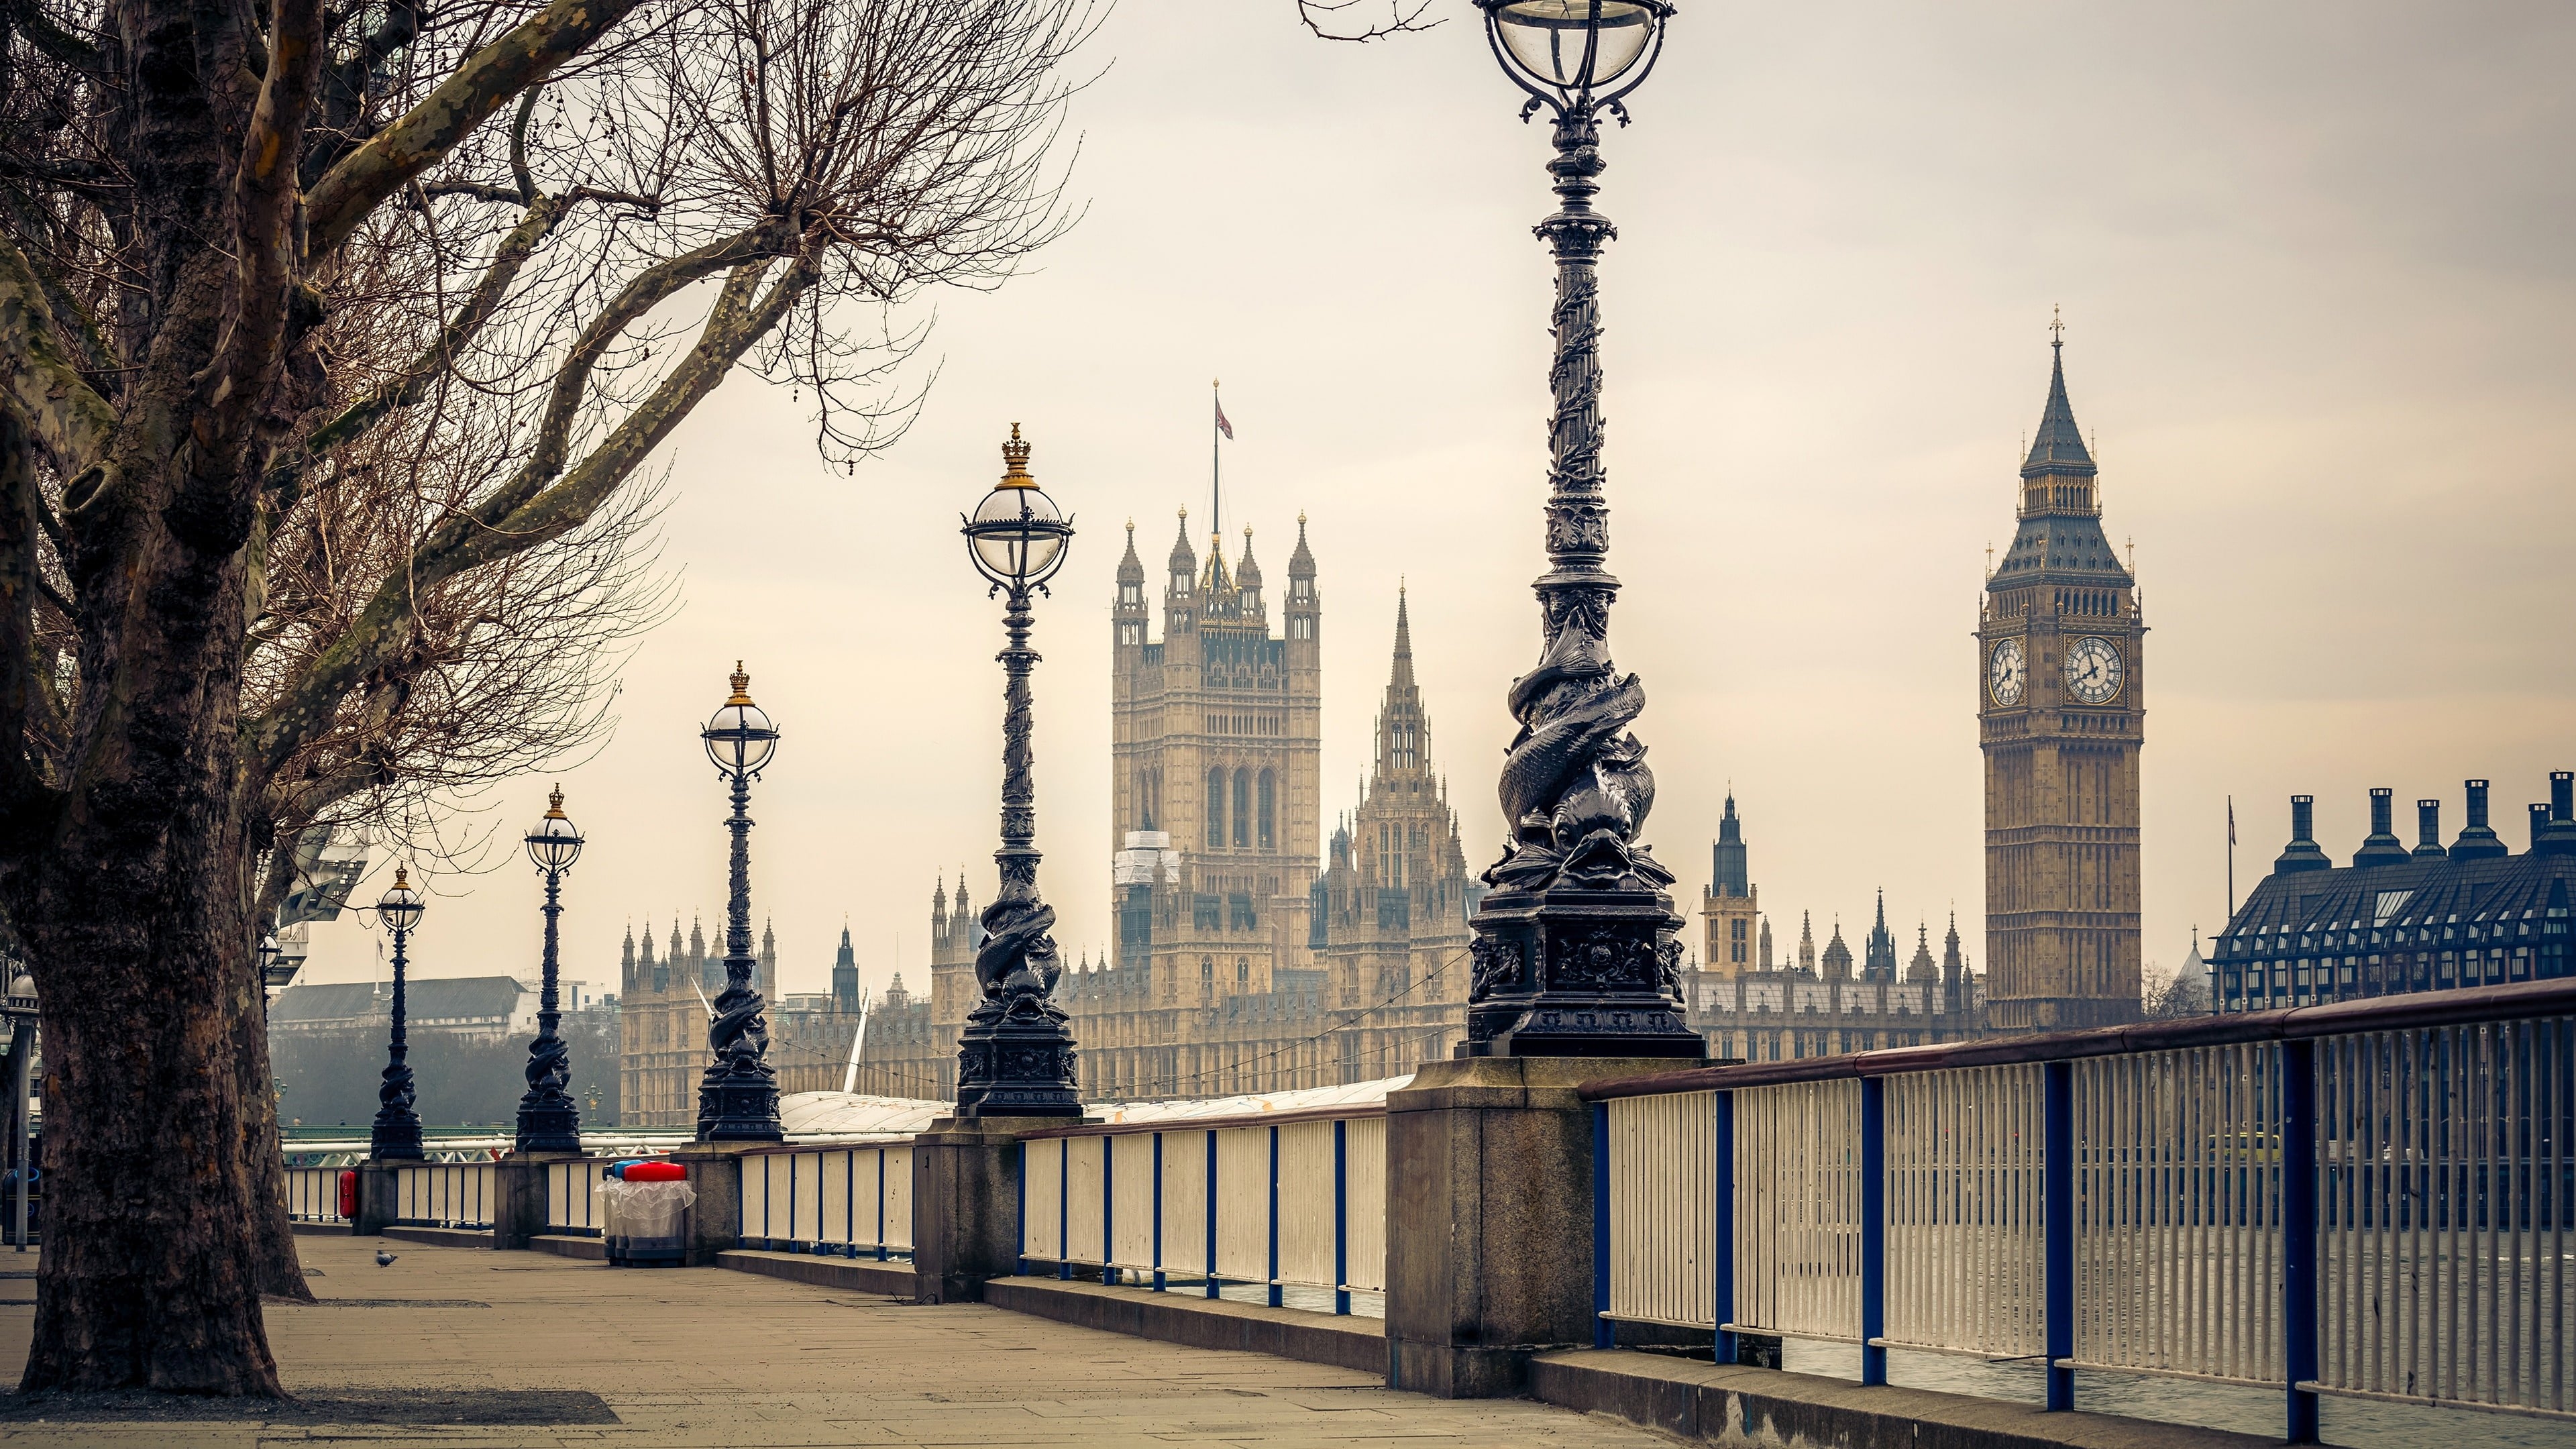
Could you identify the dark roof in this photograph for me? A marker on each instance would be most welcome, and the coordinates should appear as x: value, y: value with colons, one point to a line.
x: 438, y: 998
x: 336, y: 1001
x: 2400, y: 897
x: 2058, y: 446
x: 462, y: 996
x: 2060, y: 547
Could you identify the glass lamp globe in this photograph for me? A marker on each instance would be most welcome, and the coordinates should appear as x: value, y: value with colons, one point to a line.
x: 1017, y: 535
x: 740, y: 738
x: 1573, y: 46
x: 554, y: 845
x: 400, y: 906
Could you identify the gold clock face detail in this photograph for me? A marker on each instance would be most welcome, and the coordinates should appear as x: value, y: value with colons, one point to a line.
x: 2093, y: 670
x: 2004, y: 673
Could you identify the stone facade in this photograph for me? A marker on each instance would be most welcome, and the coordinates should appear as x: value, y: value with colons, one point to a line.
x: 2062, y: 716
x: 662, y: 1026
x: 1819, y: 1003
x: 1239, y: 965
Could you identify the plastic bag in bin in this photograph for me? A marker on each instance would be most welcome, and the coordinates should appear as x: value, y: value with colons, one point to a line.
x: 643, y: 1223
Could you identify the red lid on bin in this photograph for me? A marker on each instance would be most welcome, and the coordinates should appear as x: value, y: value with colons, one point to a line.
x: 655, y: 1172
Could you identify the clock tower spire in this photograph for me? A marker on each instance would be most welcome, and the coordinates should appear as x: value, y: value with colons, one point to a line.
x: 2061, y: 714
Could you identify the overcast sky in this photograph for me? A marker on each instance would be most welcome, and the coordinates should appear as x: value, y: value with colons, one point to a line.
x: 2316, y: 268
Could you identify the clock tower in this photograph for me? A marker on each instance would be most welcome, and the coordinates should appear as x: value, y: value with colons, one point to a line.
x: 2061, y: 715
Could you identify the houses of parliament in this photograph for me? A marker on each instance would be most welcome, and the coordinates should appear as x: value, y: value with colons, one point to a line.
x: 1253, y: 951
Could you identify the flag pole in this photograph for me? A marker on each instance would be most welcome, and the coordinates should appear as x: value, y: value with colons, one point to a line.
x: 1216, y: 493
x: 2231, y: 857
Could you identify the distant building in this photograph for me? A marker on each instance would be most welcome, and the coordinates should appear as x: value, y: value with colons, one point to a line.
x: 465, y: 1006
x: 2398, y: 920
x: 2061, y: 717
x: 1818, y: 1005
x: 1239, y: 965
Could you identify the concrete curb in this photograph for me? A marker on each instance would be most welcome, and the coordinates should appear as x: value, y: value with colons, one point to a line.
x: 325, y: 1230
x: 1352, y: 1343
x: 438, y: 1237
x: 1752, y: 1408
x: 893, y: 1280
x: 570, y: 1245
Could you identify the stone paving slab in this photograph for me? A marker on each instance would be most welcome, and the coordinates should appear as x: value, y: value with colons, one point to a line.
x: 704, y: 1358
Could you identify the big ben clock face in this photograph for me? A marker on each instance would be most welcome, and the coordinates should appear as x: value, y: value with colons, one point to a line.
x: 2093, y: 671
x: 2004, y: 673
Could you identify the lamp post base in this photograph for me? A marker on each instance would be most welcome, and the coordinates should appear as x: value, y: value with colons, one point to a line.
x: 1015, y: 1066
x: 395, y: 1138
x: 738, y: 1107
x: 548, y: 1124
x: 1576, y: 973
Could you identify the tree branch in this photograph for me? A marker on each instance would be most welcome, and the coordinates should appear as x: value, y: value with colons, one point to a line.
x: 385, y: 626
x: 447, y: 115
x: 67, y: 417
x: 31, y: 21
x: 413, y: 382
x: 1403, y: 17
x: 264, y: 197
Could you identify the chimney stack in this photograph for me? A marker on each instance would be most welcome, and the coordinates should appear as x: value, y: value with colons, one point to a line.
x: 2382, y: 846
x: 2428, y: 830
x: 2478, y: 840
x: 2553, y: 828
x: 2302, y: 852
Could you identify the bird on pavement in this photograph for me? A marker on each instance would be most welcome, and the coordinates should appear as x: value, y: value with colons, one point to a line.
x: 385, y: 1259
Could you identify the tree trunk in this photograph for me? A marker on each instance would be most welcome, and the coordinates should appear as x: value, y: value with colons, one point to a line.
x: 137, y: 925
x: 144, y: 1281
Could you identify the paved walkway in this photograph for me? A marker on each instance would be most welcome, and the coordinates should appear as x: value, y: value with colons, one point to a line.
x: 710, y: 1357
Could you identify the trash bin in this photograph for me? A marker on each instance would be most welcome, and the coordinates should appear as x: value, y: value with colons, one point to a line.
x: 644, y: 1222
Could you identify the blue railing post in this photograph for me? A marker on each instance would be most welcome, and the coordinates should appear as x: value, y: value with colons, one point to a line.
x: 2299, y: 1235
x: 1604, y: 1333
x: 1108, y: 1211
x: 1721, y: 1252
x: 1019, y: 1211
x: 1873, y: 1230
x: 2057, y: 1210
x: 881, y: 1197
x: 1341, y: 1217
x: 1158, y: 1212
x: 1064, y: 1209
x: 1211, y: 1213
x: 1278, y: 1295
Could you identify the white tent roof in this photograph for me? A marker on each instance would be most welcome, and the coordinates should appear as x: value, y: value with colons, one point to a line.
x: 839, y: 1115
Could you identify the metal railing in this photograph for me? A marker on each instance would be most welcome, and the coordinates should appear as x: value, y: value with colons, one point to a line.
x: 313, y: 1195
x: 849, y: 1200
x: 2372, y: 1198
x: 574, y: 1207
x: 444, y: 1194
x: 1275, y: 1201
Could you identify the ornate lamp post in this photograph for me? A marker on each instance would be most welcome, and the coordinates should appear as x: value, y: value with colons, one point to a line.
x: 1015, y: 1058
x: 397, y: 1128
x: 548, y: 1120
x: 1575, y: 951
x: 738, y: 1097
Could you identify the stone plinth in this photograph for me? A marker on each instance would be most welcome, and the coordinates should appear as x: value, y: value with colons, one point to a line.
x: 966, y: 1204
x: 714, y: 1221
x: 379, y: 1196
x: 519, y: 1196
x: 1489, y: 1219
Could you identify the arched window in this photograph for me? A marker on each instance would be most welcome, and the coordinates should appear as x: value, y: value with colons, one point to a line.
x: 1242, y: 807
x: 1269, y: 810
x: 1216, y: 808
x: 1207, y: 968
x: 1242, y: 968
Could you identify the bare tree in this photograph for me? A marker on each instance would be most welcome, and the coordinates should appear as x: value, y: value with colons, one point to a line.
x: 333, y: 345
